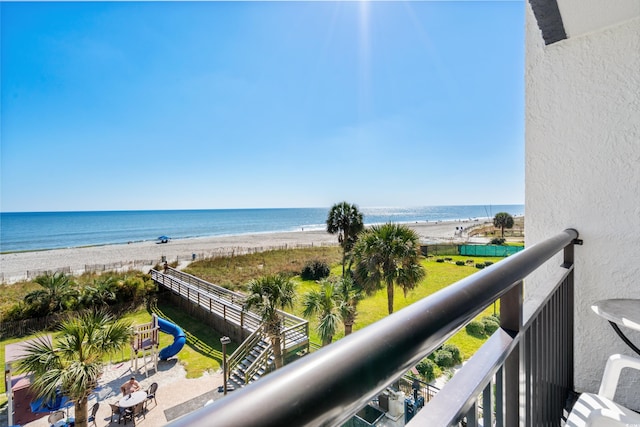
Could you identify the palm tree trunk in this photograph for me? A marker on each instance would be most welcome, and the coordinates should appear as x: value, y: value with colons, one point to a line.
x: 348, y: 328
x: 349, y: 265
x: 81, y: 412
x: 390, y: 297
x: 277, y: 351
x: 326, y: 341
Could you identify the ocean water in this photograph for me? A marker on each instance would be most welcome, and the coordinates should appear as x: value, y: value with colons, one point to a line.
x: 26, y: 231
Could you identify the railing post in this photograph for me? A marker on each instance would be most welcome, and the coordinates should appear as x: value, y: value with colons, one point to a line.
x: 306, y: 333
x: 511, y: 321
x: 570, y: 298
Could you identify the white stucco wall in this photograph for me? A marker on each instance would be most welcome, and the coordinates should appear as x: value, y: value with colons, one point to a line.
x: 583, y: 171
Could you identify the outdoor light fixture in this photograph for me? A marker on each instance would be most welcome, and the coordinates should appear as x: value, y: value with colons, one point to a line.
x: 224, y: 341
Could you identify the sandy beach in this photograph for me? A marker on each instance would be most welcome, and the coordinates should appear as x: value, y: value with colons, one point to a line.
x: 143, y: 255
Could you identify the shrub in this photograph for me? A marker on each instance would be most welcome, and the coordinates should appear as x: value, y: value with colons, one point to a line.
x: 444, y: 359
x: 480, y: 265
x: 470, y: 261
x: 133, y: 288
x: 440, y: 260
x: 490, y: 325
x: 497, y: 241
x: 459, y: 262
x: 427, y: 369
x: 315, y: 270
x: 475, y: 329
x: 455, y: 352
x: 448, y: 258
x: 488, y: 263
x: 18, y: 311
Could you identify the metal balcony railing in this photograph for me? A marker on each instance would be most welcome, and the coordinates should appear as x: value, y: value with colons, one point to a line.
x: 524, y: 370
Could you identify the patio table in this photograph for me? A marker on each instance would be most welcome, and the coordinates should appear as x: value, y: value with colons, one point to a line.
x: 132, y: 399
x: 625, y: 312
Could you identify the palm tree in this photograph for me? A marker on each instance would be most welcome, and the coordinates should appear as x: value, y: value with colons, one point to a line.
x: 73, y: 363
x: 268, y: 295
x: 346, y: 220
x: 325, y: 304
x: 57, y: 293
x: 503, y: 220
x: 388, y: 253
x: 349, y: 297
x: 101, y: 292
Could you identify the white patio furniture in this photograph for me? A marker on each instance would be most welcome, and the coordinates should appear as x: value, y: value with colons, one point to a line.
x: 599, y: 410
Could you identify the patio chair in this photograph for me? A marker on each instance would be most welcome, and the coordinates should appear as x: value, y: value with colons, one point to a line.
x: 116, y: 410
x: 599, y: 410
x: 133, y: 413
x: 55, y: 417
x: 92, y: 416
x: 151, y: 394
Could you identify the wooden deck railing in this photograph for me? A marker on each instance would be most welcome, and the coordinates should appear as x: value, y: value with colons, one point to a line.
x: 231, y: 310
x: 229, y: 306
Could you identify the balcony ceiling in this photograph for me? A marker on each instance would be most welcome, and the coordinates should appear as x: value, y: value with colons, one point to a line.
x: 561, y: 19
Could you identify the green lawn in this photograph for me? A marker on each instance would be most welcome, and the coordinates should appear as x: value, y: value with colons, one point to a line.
x: 203, y: 349
x: 374, y: 307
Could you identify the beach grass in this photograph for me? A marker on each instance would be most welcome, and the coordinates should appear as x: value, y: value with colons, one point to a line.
x: 11, y: 294
x: 236, y: 271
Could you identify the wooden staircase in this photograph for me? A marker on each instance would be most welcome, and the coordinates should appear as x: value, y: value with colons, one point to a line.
x: 250, y: 361
x: 254, y: 357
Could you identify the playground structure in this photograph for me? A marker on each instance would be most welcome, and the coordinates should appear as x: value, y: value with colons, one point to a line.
x: 145, y: 340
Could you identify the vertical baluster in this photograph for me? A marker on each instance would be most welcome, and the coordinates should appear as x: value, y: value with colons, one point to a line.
x: 487, y: 407
x: 528, y: 372
x: 472, y: 415
x: 556, y: 356
x: 511, y: 321
x: 546, y: 365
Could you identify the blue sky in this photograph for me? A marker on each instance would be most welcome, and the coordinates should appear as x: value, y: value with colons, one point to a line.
x: 204, y: 105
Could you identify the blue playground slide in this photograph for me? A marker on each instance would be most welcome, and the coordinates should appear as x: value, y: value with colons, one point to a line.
x: 179, y: 338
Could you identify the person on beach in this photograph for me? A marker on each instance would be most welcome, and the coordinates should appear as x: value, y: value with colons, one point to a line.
x: 130, y: 386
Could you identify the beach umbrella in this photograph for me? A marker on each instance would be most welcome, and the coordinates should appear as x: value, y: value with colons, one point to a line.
x: 164, y: 239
